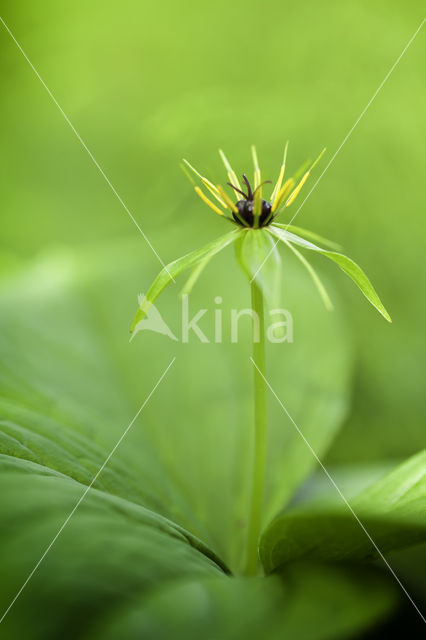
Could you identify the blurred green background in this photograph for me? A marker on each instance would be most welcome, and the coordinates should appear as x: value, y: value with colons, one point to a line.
x: 146, y: 84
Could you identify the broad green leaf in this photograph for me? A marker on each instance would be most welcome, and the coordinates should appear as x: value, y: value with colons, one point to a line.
x: 346, y: 264
x: 66, y: 393
x: 179, y: 460
x: 310, y: 602
x: 70, y: 384
x: 392, y: 510
x: 109, y: 549
x: 351, y: 479
x: 261, y: 262
x: 175, y: 268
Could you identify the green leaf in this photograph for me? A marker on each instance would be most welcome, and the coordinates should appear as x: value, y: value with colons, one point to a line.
x: 392, y: 510
x: 261, y: 261
x: 109, y: 549
x: 315, y: 277
x: 308, y: 234
x: 314, y: 603
x: 175, y: 268
x: 70, y: 384
x: 346, y: 264
x: 195, y: 274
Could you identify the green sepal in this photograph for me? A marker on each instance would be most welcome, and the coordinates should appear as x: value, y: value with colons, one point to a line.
x: 175, y: 268
x: 346, y: 264
x: 309, y: 235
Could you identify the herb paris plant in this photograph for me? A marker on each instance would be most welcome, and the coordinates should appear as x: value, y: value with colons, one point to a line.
x: 255, y: 237
x: 140, y: 557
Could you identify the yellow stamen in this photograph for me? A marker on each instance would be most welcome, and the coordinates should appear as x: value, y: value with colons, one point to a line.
x: 209, y: 185
x: 278, y: 185
x: 231, y: 173
x: 208, y: 202
x: 257, y: 176
x: 296, y: 191
x: 285, y: 189
x: 214, y: 193
x: 281, y: 176
x: 227, y: 199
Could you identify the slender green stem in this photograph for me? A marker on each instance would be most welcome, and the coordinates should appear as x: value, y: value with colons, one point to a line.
x: 260, y: 432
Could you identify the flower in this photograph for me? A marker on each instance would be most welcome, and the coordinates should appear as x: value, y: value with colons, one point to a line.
x: 257, y: 234
x: 252, y: 210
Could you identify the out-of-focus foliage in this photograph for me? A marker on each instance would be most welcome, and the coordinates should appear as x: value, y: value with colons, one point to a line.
x: 67, y: 364
x: 316, y: 602
x: 120, y: 562
x: 392, y: 511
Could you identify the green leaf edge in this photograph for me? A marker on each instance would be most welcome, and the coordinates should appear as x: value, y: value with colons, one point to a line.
x: 375, y: 504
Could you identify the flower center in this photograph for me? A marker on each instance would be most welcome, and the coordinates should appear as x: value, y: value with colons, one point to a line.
x: 245, y: 212
x: 245, y: 215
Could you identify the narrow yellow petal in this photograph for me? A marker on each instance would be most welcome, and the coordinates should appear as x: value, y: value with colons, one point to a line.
x: 254, y: 155
x: 232, y: 176
x: 281, y: 176
x: 296, y: 191
x: 278, y: 184
x: 257, y: 175
x: 208, y: 202
x: 188, y: 164
x: 188, y: 175
x: 314, y: 164
x: 257, y: 183
x: 209, y: 185
x: 227, y: 199
x: 225, y: 160
x: 214, y: 191
x: 257, y: 207
x: 282, y: 193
